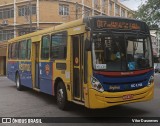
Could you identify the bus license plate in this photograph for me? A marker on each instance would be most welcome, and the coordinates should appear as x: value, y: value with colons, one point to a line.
x: 128, y: 97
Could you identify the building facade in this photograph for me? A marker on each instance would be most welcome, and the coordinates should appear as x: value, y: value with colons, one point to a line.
x: 18, y: 17
x: 155, y: 36
x: 155, y: 46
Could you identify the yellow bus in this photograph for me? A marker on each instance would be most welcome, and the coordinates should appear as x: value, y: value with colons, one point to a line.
x: 96, y: 61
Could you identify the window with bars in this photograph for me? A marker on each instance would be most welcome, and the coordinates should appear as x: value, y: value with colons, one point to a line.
x: 122, y: 13
x: 96, y: 4
x: 87, y: 12
x: 6, y: 35
x: 25, y: 10
x: 104, y: 6
x: 111, y: 8
x: 117, y: 9
x: 63, y: 9
x: 6, y: 13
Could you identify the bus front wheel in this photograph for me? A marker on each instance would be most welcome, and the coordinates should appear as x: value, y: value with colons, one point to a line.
x: 61, y: 96
x: 18, y: 83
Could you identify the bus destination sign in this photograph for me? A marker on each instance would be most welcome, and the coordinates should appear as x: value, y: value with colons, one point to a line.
x: 116, y: 24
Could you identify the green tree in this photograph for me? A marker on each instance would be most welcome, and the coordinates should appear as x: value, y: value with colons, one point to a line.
x: 150, y: 13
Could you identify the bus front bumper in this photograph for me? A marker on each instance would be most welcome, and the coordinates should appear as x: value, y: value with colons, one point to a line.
x: 106, y: 99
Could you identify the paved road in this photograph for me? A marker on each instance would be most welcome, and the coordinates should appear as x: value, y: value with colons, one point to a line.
x: 29, y: 103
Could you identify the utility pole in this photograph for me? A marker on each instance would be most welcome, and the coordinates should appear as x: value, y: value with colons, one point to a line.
x: 30, y: 16
x: 37, y: 14
x: 76, y: 10
x: 83, y: 11
x: 93, y: 3
x: 15, y: 9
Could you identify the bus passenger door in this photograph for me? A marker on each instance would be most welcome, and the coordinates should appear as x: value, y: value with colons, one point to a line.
x: 77, y: 49
x: 35, y: 64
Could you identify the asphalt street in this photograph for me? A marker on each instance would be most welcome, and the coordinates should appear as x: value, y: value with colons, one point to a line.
x: 29, y: 103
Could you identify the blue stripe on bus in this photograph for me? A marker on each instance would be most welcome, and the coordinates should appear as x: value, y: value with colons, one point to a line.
x: 124, y: 83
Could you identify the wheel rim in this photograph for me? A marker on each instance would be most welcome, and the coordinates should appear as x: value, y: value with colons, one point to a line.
x: 17, y: 81
x: 60, y: 96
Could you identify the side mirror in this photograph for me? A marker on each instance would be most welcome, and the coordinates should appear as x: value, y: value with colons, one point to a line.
x: 87, y: 45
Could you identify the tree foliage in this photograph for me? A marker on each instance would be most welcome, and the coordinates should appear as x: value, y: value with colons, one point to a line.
x: 150, y: 13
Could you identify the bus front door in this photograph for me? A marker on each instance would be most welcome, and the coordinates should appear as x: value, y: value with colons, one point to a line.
x: 35, y: 64
x: 77, y: 49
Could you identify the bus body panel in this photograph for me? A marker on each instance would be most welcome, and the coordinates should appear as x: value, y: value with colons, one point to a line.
x: 25, y: 73
x: 114, y: 84
x: 12, y: 67
x: 45, y: 77
x: 22, y: 68
x: 61, y: 72
x: 106, y: 99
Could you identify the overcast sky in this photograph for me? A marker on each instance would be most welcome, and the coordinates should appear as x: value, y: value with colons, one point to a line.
x: 132, y: 4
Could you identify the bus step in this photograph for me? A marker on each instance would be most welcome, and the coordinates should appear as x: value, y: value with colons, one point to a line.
x: 78, y: 102
x: 36, y: 89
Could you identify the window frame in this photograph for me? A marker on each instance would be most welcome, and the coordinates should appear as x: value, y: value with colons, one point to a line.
x: 20, y: 52
x: 123, y: 13
x: 64, y: 9
x: 15, y: 52
x: 117, y: 10
x: 42, y: 58
x: 10, y: 51
x: 110, y: 8
x: 1, y: 13
x: 28, y: 54
x: 66, y: 42
x: 24, y: 10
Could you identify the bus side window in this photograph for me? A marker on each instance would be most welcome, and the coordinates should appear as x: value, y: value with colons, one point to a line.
x: 28, y: 49
x: 58, y: 45
x: 45, y: 47
x: 14, y: 51
x: 17, y: 50
x: 9, y: 51
x: 22, y: 49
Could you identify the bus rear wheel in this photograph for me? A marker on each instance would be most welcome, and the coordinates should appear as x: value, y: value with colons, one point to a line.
x: 18, y: 83
x: 61, y: 96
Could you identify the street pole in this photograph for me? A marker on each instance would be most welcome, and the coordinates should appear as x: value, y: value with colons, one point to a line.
x: 38, y: 14
x: 30, y: 15
x: 76, y: 10
x: 93, y: 7
x: 83, y: 11
x: 14, y: 24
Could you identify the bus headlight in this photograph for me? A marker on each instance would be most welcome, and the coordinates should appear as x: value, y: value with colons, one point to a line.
x: 96, y: 84
x: 151, y: 80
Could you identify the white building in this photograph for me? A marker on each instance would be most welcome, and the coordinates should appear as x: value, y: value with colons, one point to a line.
x: 155, y: 36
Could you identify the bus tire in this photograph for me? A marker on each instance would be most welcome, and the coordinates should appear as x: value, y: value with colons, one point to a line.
x: 18, y: 83
x: 61, y: 96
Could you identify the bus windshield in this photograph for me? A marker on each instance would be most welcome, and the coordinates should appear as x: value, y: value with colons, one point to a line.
x: 121, y: 52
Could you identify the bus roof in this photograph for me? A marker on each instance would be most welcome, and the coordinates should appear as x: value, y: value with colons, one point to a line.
x: 110, y: 17
x: 48, y: 30
x: 74, y: 23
